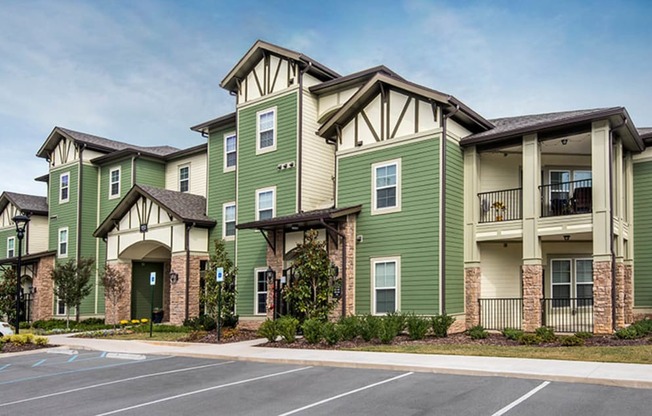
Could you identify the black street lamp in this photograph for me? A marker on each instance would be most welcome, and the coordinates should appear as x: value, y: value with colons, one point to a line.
x: 21, y: 222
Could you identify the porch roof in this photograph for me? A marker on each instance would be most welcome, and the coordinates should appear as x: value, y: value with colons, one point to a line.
x: 28, y: 257
x: 185, y: 207
x: 301, y: 219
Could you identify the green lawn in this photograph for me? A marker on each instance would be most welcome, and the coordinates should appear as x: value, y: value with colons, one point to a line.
x: 638, y: 354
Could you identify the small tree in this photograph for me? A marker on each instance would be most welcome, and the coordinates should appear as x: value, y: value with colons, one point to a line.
x: 72, y: 283
x: 8, y: 295
x: 220, y: 258
x: 115, y: 285
x: 310, y: 293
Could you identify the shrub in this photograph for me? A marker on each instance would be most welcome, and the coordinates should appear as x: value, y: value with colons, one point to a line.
x: 388, y: 330
x: 161, y: 328
x: 546, y: 334
x: 512, y: 333
x: 18, y: 339
x: 92, y: 321
x: 529, y: 339
x: 477, y: 332
x: 230, y: 321
x: 349, y: 327
x: 331, y: 333
x: 199, y: 323
x: 441, y: 324
x: 643, y: 327
x: 287, y: 328
x: 40, y: 341
x: 584, y: 335
x: 417, y: 326
x: 627, y: 333
x: 312, y: 330
x: 370, y: 327
x: 399, y: 321
x: 269, y: 330
x: 572, y: 341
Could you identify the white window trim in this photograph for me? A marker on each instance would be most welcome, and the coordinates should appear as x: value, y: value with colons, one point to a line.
x: 228, y: 136
x: 573, y: 275
x: 56, y: 307
x: 388, y: 210
x: 397, y: 288
x: 256, y: 271
x: 59, y: 255
x: 119, y: 169
x: 185, y: 165
x: 260, y: 191
x: 13, y: 240
x: 224, y: 207
x: 61, y: 201
x: 271, y: 148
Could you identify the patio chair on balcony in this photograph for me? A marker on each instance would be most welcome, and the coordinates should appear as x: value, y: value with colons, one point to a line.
x: 559, y: 206
x: 582, y: 200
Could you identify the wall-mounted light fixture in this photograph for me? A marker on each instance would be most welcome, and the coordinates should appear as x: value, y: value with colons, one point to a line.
x: 174, y: 277
x: 564, y: 141
x: 566, y: 237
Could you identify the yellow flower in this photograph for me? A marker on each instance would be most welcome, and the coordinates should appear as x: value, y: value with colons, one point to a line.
x: 144, y: 320
x: 135, y: 321
x: 124, y: 322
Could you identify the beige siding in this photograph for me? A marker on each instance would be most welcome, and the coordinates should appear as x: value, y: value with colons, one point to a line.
x: 318, y: 161
x: 455, y: 128
x: 38, y: 234
x: 198, y: 173
x: 199, y: 240
x: 6, y: 215
x: 498, y: 171
x: 330, y: 102
x: 89, y: 155
x: 309, y: 81
x: 278, y: 76
x: 501, y: 270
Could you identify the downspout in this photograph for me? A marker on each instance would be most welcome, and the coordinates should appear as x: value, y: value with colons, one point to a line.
x: 187, y: 242
x: 344, y: 253
x: 133, y: 169
x: 611, y: 224
x: 79, y: 201
x: 442, y: 245
x: 300, y: 136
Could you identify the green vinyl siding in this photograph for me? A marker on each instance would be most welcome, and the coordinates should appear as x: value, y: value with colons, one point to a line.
x: 4, y: 235
x: 107, y: 204
x: 259, y: 171
x: 150, y: 172
x: 454, y: 235
x: 412, y: 233
x: 88, y: 244
x: 642, y: 234
x: 63, y: 214
x: 221, y: 185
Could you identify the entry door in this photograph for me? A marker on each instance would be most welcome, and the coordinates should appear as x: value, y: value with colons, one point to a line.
x: 140, y: 289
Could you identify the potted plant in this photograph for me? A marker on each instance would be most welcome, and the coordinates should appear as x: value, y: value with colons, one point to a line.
x: 499, y: 207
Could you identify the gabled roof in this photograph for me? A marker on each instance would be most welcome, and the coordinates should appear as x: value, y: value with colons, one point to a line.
x: 353, y: 79
x: 222, y: 121
x: 259, y: 49
x: 511, y: 127
x: 365, y: 94
x: 98, y: 143
x: 29, y: 204
x: 185, y: 207
x: 646, y: 134
x: 130, y: 151
x: 302, y: 219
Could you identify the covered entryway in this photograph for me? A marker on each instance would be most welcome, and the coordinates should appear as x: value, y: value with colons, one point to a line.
x: 141, y: 296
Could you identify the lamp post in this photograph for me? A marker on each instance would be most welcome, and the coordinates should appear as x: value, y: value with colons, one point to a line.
x: 21, y: 222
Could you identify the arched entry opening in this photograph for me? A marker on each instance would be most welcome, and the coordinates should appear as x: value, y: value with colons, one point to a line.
x: 148, y: 257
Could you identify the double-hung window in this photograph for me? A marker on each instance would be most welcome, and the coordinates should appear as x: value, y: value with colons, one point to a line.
x: 385, y: 280
x: 266, y: 130
x: 64, y: 187
x: 63, y: 242
x: 11, y: 247
x: 228, y: 225
x: 114, y: 183
x: 265, y: 203
x: 571, y: 278
x: 386, y: 184
x: 261, y: 291
x: 184, y: 178
x: 230, y: 152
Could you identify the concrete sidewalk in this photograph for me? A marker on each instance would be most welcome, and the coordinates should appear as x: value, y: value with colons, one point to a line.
x: 612, y: 374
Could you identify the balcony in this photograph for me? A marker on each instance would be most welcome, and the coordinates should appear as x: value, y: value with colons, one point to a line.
x: 566, y: 198
x: 503, y: 205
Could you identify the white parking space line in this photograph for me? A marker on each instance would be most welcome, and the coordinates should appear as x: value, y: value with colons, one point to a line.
x: 190, y: 393
x: 344, y: 394
x: 108, y: 383
x: 2, y: 367
x: 521, y: 399
x: 39, y: 362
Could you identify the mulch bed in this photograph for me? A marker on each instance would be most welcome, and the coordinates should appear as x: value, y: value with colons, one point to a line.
x: 12, y: 347
x: 453, y: 339
x: 228, y: 336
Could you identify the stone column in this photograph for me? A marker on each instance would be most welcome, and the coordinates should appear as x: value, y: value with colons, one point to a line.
x: 472, y: 276
x: 602, y: 302
x: 620, y: 295
x: 532, y: 294
x: 166, y: 291
x: 178, y: 289
x: 629, y: 294
x: 275, y: 261
x: 44, y: 296
x: 123, y: 305
x: 347, y: 228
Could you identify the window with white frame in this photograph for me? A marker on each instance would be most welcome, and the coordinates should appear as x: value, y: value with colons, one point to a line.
x: 385, y: 282
x: 230, y: 152
x: 265, y: 203
x: 266, y: 130
x: 386, y: 184
x: 571, y: 278
x: 114, y: 183
x: 184, y: 178
x: 228, y: 220
x: 63, y: 242
x: 11, y: 247
x: 61, y: 307
x: 261, y: 291
x: 64, y: 187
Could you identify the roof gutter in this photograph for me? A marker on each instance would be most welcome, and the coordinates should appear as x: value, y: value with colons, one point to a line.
x: 79, y: 202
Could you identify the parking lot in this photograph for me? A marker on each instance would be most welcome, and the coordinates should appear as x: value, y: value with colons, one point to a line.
x: 98, y: 383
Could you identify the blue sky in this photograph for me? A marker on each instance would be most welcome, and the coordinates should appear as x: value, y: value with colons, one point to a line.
x: 145, y: 71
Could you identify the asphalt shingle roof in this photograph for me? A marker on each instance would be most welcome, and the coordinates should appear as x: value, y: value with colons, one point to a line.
x: 188, y: 207
x: 28, y: 203
x: 116, y: 145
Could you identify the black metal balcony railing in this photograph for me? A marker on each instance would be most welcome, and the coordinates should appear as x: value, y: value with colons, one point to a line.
x: 568, y: 314
x: 500, y: 313
x: 566, y: 198
x: 503, y: 205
